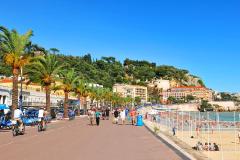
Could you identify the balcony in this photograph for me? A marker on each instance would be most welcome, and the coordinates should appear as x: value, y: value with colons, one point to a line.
x: 38, y: 104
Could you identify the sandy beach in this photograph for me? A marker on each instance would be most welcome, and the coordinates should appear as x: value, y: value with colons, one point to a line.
x: 226, y: 139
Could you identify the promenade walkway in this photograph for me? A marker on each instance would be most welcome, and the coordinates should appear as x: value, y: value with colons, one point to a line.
x: 76, y: 140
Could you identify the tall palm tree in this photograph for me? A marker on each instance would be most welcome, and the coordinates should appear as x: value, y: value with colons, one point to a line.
x: 68, y: 79
x: 54, y: 50
x: 92, y: 94
x: 13, y: 46
x: 82, y: 91
x: 106, y: 96
x: 115, y: 99
x: 99, y: 93
x: 45, y: 70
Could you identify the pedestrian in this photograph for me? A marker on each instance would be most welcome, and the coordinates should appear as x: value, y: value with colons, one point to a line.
x: 103, y: 114
x: 197, y: 130
x: 91, y: 114
x: 174, y: 130
x: 216, y: 147
x: 97, y: 115
x: 126, y: 112
x: 212, y: 128
x: 123, y: 115
x: 115, y: 114
x: 107, y: 113
x: 133, y: 116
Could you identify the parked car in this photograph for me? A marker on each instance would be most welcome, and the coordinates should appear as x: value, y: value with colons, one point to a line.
x: 30, y: 117
x: 5, y: 123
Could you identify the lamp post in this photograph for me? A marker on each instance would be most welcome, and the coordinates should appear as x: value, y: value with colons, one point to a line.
x: 21, y: 97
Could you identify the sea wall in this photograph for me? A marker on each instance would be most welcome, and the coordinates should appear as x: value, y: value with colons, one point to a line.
x: 184, y: 107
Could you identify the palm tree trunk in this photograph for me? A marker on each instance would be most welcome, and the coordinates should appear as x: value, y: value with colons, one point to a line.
x: 66, y: 105
x: 15, y: 89
x: 85, y: 104
x: 80, y: 104
x: 48, y: 92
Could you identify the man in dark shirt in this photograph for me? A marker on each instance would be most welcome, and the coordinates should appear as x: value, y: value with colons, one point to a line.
x: 116, y: 114
x: 107, y: 113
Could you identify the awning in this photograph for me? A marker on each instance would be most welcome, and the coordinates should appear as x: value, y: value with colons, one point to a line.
x: 4, y: 106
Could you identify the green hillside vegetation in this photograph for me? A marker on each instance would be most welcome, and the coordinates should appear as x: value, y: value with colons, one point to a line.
x: 46, y: 67
x: 108, y: 70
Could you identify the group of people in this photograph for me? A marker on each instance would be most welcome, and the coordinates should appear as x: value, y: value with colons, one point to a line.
x: 97, y: 114
x: 19, y: 114
x: 17, y: 121
x: 120, y: 115
x: 124, y: 114
x: 206, y: 147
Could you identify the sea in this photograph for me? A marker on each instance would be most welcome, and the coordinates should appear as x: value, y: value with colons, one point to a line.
x: 223, y: 116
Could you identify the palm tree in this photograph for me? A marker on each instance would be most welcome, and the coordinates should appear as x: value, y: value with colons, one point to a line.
x: 107, y: 94
x: 128, y: 100
x: 45, y: 70
x: 68, y: 79
x: 92, y: 94
x: 115, y: 99
x: 99, y: 95
x: 81, y: 90
x: 54, y: 50
x: 13, y: 46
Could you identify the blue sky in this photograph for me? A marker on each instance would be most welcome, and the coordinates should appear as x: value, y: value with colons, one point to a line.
x: 201, y: 36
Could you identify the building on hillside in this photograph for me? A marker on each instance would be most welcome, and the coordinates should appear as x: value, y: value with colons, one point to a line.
x: 159, y: 84
x: 131, y: 90
x: 95, y: 85
x: 200, y: 93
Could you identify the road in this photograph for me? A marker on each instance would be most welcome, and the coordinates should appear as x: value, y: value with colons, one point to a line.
x: 76, y: 140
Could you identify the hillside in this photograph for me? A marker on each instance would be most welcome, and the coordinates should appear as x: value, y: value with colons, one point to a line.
x: 107, y: 71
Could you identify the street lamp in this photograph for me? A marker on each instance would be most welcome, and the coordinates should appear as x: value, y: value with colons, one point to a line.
x: 21, y: 97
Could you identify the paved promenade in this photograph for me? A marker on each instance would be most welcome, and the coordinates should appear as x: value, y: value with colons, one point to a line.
x: 76, y: 140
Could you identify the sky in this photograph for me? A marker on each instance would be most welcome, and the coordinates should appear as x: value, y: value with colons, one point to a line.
x: 202, y: 36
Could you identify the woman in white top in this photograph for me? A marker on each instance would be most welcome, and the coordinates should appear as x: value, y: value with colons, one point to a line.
x: 123, y: 116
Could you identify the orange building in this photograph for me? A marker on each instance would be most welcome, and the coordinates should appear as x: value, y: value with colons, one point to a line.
x: 199, y: 92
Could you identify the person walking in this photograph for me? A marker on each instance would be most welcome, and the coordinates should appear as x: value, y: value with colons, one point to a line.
x: 103, y: 114
x: 115, y: 114
x: 97, y: 115
x: 133, y: 116
x: 174, y: 130
x: 91, y: 114
x: 107, y: 113
x: 123, y: 115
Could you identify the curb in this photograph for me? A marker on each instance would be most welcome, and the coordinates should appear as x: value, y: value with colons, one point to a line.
x: 178, y: 150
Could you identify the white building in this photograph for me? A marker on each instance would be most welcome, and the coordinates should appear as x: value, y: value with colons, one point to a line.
x: 36, y: 99
x: 30, y: 98
x: 5, y: 95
